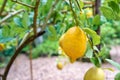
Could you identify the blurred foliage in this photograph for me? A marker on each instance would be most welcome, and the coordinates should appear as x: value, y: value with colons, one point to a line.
x: 46, y: 48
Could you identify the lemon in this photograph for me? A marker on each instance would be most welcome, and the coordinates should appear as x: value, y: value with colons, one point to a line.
x: 94, y: 73
x: 73, y: 43
x: 89, y: 14
x: 2, y: 46
x: 59, y: 66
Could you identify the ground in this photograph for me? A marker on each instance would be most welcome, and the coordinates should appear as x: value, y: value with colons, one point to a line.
x: 44, y: 68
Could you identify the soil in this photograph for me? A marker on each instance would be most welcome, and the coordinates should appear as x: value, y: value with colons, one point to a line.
x: 44, y: 68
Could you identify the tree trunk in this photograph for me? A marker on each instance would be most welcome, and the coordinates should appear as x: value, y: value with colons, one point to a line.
x: 97, y: 11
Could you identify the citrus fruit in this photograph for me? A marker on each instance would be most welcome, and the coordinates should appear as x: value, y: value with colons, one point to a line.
x: 59, y: 66
x: 117, y: 76
x: 89, y: 14
x: 94, y: 73
x: 73, y: 43
x: 2, y: 46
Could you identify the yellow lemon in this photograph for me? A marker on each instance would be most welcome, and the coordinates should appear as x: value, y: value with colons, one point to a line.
x: 59, y: 66
x: 94, y: 73
x: 2, y: 46
x: 89, y: 14
x: 73, y: 43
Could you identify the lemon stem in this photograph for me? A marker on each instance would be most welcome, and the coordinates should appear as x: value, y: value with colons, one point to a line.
x: 78, y: 5
x: 74, y: 14
x: 94, y: 51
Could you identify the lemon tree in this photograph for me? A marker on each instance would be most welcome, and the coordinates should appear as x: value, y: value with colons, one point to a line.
x: 73, y: 23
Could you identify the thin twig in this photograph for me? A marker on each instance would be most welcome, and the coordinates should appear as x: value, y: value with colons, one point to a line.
x: 88, y: 7
x: 26, y: 42
x: 49, y: 14
x: 35, y: 16
x: 78, y: 5
x: 22, y: 3
x: 74, y: 14
x: 10, y: 15
x: 31, y: 67
x: 3, y: 6
x: 1, y: 75
x: 89, y: 2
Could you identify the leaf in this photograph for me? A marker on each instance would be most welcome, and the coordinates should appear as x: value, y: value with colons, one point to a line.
x: 114, y: 6
x: 18, y: 22
x: 53, y: 35
x: 6, y: 31
x: 117, y: 76
x: 110, y: 69
x: 81, y: 4
x: 107, y: 12
x: 102, y: 51
x: 82, y: 17
x: 89, y: 52
x: 113, y: 63
x: 96, y: 20
x: 25, y: 20
x: 96, y: 61
x: 5, y: 39
x: 94, y: 35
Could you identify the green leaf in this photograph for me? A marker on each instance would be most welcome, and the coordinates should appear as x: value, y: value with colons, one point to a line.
x: 102, y: 51
x: 118, y: 1
x: 18, y: 22
x: 96, y: 61
x: 82, y: 17
x: 25, y: 20
x: 94, y: 35
x: 81, y: 4
x: 5, y: 39
x: 114, y: 6
x: 53, y: 35
x: 6, y: 31
x: 89, y: 51
x: 107, y: 12
x: 117, y: 76
x: 96, y: 20
x: 117, y: 65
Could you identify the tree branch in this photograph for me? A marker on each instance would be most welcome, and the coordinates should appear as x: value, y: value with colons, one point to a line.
x: 74, y: 14
x: 35, y: 16
x: 3, y: 6
x: 26, y: 42
x: 22, y: 3
x: 49, y: 14
x: 10, y: 15
x: 89, y: 2
x: 88, y: 7
x: 97, y: 11
x: 78, y: 5
x: 1, y: 75
x: 30, y: 58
